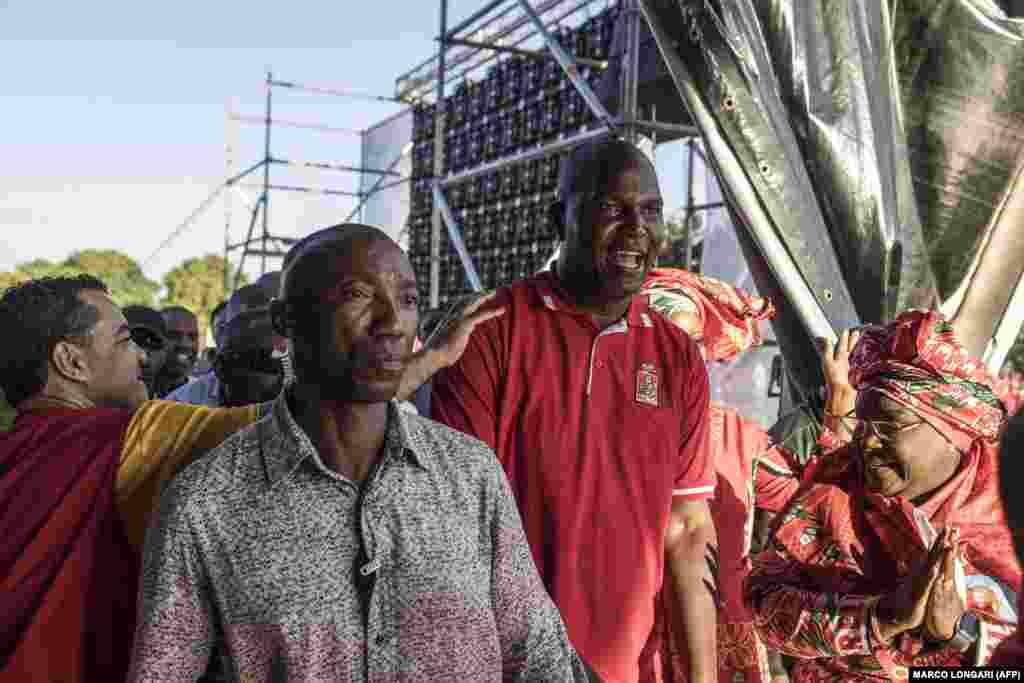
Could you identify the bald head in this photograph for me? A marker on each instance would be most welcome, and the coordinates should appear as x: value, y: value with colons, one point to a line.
x: 311, y: 265
x: 590, y: 168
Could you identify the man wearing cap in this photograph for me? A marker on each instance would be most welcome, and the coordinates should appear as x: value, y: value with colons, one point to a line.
x: 597, y: 408
x: 151, y: 334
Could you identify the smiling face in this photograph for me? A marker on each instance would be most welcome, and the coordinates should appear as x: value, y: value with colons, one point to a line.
x: 183, y: 342
x: 358, y: 335
x: 902, y: 454
x: 612, y: 226
x: 114, y: 362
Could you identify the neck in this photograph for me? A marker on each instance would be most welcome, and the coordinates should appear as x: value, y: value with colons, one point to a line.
x: 585, y: 299
x: 347, y: 435
x: 48, y: 401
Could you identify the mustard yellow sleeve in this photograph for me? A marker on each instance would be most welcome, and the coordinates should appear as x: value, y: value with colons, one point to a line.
x: 162, y: 438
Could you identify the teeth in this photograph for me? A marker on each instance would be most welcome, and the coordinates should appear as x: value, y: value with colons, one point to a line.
x: 627, y: 259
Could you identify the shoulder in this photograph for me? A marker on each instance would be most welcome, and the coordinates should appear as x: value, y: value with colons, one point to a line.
x: 232, y: 464
x: 526, y: 295
x: 668, y: 333
x: 457, y: 454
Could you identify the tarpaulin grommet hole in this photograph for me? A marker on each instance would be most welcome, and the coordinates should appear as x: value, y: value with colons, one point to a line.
x: 827, y: 294
x: 729, y: 103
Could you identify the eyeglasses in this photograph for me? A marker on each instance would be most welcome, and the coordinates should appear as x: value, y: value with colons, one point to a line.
x: 884, y: 430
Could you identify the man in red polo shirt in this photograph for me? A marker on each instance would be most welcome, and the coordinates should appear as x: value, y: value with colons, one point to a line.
x: 596, y: 406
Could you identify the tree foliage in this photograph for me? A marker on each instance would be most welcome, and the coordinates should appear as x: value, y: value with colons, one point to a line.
x: 121, y: 274
x: 198, y: 285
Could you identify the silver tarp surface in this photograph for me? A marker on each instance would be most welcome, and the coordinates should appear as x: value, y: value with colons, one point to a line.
x: 874, y: 139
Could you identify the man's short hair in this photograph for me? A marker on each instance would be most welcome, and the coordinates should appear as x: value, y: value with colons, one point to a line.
x: 35, y: 315
x: 1011, y: 455
x: 581, y: 169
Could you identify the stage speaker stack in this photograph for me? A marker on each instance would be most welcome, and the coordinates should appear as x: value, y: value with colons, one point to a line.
x: 521, y: 104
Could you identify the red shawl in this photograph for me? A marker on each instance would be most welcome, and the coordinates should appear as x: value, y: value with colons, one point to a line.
x: 724, y: 320
x: 68, y: 576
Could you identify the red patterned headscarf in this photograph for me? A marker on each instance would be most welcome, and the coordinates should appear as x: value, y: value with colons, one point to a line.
x: 917, y: 361
x: 723, y: 319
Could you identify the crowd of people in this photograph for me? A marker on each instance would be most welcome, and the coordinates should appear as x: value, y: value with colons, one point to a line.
x: 543, y: 491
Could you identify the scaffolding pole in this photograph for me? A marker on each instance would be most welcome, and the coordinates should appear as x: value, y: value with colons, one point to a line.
x: 435, y: 218
x: 257, y: 245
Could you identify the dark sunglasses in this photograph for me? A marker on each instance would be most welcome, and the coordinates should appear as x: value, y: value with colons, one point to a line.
x: 147, y: 339
x: 252, y: 360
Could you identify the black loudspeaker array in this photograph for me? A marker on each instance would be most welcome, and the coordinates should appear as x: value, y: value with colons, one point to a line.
x: 521, y: 104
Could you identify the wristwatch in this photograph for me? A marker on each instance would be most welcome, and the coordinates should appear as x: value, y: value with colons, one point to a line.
x: 967, y: 632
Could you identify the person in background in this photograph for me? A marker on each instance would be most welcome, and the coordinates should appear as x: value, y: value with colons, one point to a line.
x: 725, y: 321
x: 205, y: 390
x: 79, y: 477
x: 895, y: 553
x: 151, y: 333
x: 183, y: 340
x: 248, y: 361
x: 597, y: 408
x: 342, y: 539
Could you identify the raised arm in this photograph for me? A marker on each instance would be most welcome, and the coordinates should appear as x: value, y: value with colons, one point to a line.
x: 465, y: 395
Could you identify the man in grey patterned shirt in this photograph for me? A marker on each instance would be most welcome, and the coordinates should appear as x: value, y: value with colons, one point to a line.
x: 340, y: 539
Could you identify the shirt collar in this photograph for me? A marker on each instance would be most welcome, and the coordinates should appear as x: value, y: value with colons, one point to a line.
x: 286, y: 445
x: 549, y: 294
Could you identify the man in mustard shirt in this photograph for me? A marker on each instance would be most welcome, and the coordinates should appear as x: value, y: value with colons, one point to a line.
x: 81, y: 470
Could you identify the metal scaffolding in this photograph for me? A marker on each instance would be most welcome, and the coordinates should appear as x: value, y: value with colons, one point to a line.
x: 265, y: 244
x: 513, y: 26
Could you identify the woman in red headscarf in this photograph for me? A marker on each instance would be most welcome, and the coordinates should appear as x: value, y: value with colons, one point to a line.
x: 896, y: 553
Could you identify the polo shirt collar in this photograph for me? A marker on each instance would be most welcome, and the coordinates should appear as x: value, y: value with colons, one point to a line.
x: 292, y: 446
x: 551, y: 295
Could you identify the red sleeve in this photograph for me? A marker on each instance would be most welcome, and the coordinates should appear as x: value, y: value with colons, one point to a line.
x: 695, y: 478
x: 465, y: 396
x: 775, y: 480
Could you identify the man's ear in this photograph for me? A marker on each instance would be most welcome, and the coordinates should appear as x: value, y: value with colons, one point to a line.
x: 556, y: 216
x: 282, y: 318
x: 70, y: 362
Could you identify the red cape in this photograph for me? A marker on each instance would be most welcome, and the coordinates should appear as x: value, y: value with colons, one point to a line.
x: 68, y: 575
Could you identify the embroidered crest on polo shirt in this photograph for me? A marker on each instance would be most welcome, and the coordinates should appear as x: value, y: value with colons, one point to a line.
x: 647, y: 385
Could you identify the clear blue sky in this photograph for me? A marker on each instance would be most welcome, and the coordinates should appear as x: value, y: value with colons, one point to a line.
x: 113, y: 123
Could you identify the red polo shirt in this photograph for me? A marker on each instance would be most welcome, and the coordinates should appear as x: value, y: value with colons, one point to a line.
x: 597, y: 431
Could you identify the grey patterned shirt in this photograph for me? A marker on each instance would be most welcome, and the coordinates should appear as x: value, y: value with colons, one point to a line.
x: 253, y: 561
